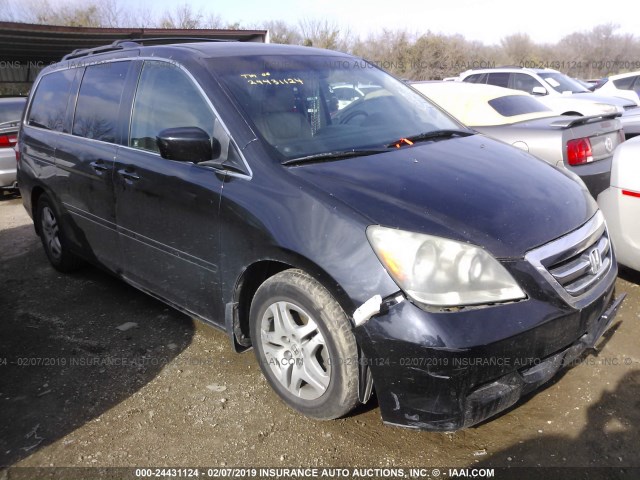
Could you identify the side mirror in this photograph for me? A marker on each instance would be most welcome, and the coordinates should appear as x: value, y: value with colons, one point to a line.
x: 538, y: 91
x: 187, y: 144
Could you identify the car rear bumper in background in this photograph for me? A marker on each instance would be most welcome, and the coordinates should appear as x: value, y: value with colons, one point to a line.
x: 7, y: 168
x: 451, y: 370
x: 596, y: 175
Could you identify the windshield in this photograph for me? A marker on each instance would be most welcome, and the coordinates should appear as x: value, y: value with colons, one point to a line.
x: 309, y: 104
x: 561, y: 83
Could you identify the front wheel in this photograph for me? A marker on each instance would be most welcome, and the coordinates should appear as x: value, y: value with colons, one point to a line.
x: 305, y: 346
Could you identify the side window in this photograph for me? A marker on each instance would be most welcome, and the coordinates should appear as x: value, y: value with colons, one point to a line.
x: 49, y: 104
x: 475, y: 78
x: 524, y: 82
x: 166, y: 98
x: 99, y: 101
x: 499, y: 79
x: 624, y: 83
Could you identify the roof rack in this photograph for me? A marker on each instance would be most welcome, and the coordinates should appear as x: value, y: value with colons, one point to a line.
x: 137, y: 42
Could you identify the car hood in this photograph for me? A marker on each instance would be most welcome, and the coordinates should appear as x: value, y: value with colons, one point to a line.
x: 471, y: 189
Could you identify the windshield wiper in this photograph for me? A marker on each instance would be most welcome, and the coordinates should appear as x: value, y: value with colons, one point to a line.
x: 328, y: 156
x: 432, y: 135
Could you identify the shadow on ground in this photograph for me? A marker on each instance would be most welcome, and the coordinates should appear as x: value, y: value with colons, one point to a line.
x: 63, y: 359
x: 605, y: 448
x: 629, y: 275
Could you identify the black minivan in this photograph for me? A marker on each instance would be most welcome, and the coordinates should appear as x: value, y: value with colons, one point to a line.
x: 369, y: 245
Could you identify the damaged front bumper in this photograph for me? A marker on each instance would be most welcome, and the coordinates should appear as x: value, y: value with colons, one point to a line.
x: 451, y: 370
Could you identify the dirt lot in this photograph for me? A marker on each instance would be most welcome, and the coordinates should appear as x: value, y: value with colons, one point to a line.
x: 176, y: 394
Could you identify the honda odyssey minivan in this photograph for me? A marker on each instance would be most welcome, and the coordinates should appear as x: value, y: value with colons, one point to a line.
x: 383, y: 247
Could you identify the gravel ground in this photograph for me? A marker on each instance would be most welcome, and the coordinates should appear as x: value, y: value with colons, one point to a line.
x: 175, y: 394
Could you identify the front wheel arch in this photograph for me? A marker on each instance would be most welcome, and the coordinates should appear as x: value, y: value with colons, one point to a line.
x: 255, y: 275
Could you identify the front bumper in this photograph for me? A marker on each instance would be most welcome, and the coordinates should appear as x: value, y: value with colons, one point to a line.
x: 450, y: 370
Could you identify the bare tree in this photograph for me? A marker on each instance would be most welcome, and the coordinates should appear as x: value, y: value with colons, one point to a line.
x: 324, y: 34
x: 520, y: 50
x: 389, y: 49
x: 424, y: 55
x: 282, y: 32
x: 213, y: 21
x: 183, y: 16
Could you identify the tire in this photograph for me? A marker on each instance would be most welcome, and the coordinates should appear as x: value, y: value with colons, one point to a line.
x: 52, y: 236
x: 304, y: 344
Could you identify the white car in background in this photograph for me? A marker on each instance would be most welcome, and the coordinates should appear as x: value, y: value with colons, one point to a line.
x: 624, y: 85
x: 620, y: 203
x: 556, y: 90
x: 346, y: 93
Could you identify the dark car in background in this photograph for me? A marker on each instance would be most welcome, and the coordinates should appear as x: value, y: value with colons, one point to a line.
x: 382, y: 248
x: 11, y: 109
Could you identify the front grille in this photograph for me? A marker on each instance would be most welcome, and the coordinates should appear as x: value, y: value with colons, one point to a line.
x: 578, y: 273
x: 574, y: 264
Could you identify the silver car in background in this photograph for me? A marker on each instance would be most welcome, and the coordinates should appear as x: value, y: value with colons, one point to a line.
x: 11, y: 109
x: 631, y: 123
x: 582, y: 145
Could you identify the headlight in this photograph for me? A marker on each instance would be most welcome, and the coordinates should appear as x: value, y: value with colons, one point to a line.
x: 441, y: 272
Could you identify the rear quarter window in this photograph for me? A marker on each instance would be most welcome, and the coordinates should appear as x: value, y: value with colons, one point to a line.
x: 49, y: 105
x: 512, y: 105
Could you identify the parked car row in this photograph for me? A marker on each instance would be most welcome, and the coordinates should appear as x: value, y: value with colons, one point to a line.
x: 582, y: 145
x: 559, y: 92
x: 382, y: 246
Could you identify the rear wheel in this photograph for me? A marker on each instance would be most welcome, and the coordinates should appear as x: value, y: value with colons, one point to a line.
x: 53, y: 240
x: 305, y: 346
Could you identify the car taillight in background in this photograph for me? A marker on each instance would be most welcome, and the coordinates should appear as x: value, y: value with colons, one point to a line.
x: 631, y: 193
x: 579, y: 151
x: 8, y: 140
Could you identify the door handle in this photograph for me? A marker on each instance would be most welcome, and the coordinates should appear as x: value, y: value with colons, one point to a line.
x: 99, y: 166
x: 128, y: 174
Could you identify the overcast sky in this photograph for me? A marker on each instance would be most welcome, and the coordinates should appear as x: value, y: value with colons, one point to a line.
x: 546, y: 21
